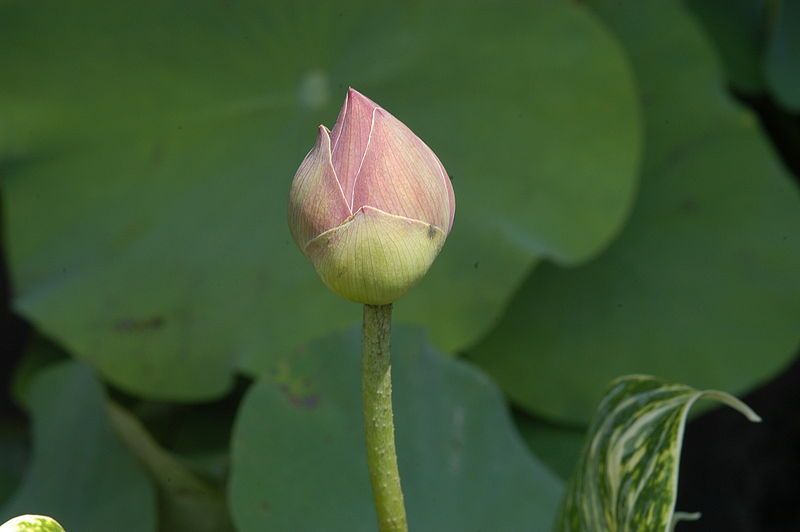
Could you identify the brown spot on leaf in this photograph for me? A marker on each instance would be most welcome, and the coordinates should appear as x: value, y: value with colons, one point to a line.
x: 299, y: 400
x: 296, y: 388
x: 689, y: 206
x: 136, y: 325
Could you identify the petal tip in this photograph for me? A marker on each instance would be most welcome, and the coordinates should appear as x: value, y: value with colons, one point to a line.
x: 357, y: 98
x: 323, y: 135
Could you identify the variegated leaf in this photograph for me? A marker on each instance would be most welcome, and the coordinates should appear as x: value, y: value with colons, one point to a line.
x: 626, y: 478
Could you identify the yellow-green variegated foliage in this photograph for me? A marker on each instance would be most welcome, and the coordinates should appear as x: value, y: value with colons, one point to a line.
x: 31, y: 523
x: 626, y: 478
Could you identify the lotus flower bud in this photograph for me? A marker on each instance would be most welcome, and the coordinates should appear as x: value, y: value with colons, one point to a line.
x: 370, y: 205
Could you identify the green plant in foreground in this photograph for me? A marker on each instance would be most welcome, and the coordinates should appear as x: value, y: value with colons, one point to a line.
x: 626, y: 478
x: 31, y: 523
x: 371, y: 207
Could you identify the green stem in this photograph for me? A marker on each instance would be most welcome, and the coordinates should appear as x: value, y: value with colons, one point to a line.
x: 186, y: 502
x: 376, y: 391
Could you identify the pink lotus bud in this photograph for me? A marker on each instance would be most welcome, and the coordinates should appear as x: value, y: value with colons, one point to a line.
x: 370, y: 205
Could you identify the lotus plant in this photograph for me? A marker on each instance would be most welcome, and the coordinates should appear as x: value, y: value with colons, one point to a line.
x: 371, y: 206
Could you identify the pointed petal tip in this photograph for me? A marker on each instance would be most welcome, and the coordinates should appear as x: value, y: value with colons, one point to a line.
x: 316, y: 200
x: 323, y: 136
x: 352, y: 92
x: 358, y: 98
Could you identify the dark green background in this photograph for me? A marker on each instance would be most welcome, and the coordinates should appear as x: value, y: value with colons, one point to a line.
x: 627, y: 202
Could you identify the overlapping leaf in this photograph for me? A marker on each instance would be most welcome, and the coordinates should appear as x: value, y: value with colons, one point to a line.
x: 738, y: 29
x: 759, y: 44
x: 147, y: 151
x: 782, y: 56
x: 626, y: 479
x: 702, y: 284
x: 299, y: 461
x: 558, y: 447
x: 80, y: 473
x: 186, y: 501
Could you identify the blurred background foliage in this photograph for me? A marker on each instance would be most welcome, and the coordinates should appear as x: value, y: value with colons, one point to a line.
x: 625, y: 173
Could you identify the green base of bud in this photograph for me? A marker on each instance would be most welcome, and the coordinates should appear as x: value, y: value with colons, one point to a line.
x: 375, y: 257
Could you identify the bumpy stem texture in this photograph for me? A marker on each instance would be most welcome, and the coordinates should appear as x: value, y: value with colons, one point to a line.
x: 376, y: 390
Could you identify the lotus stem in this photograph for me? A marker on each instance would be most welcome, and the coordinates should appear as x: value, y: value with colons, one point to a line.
x: 376, y: 390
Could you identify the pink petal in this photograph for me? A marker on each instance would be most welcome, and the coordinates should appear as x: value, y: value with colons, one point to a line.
x: 349, y: 138
x: 316, y: 201
x: 451, y: 195
x: 401, y: 175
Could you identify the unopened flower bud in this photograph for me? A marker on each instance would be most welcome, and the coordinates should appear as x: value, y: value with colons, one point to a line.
x: 370, y: 205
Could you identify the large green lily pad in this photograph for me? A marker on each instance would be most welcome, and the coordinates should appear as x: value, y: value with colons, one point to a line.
x: 80, y: 474
x: 701, y: 286
x: 299, y: 460
x: 147, y: 151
